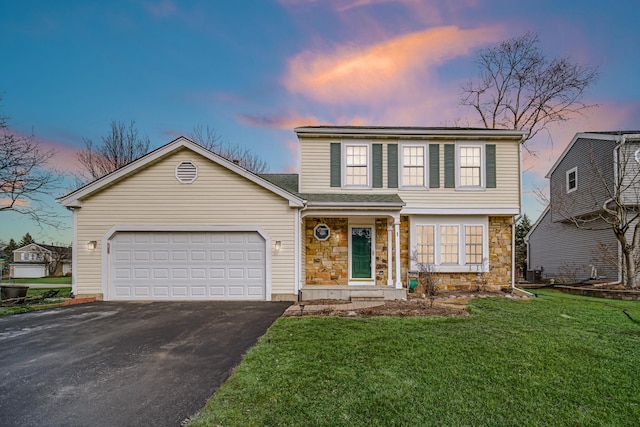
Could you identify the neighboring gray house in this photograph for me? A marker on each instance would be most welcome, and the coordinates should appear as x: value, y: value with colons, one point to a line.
x: 582, y: 181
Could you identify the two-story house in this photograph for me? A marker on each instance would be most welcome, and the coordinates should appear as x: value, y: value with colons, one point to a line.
x: 572, y: 239
x: 368, y: 203
x: 37, y: 260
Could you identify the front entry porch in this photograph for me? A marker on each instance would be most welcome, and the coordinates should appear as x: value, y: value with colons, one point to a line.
x: 354, y: 257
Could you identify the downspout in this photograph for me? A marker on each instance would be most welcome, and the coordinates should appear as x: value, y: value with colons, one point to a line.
x: 616, y: 159
x: 513, y: 228
x: 298, y: 257
x: 513, y: 258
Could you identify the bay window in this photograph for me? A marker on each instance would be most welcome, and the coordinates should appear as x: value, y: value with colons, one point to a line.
x: 450, y: 244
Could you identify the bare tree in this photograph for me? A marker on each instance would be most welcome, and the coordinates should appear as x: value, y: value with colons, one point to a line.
x: 519, y: 88
x: 616, y: 194
x: 209, y: 139
x: 119, y: 148
x: 26, y: 179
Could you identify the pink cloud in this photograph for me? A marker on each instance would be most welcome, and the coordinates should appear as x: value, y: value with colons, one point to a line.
x: 287, y: 120
x: 548, y: 147
x: 64, y: 158
x: 292, y: 119
x: 399, y: 67
x: 17, y: 203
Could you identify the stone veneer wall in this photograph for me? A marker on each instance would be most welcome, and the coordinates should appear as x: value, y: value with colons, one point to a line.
x: 382, y: 251
x: 499, y: 275
x: 327, y: 263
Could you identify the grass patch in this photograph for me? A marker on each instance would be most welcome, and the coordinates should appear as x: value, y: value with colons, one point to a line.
x: 63, y: 292
x: 64, y: 280
x: 555, y: 360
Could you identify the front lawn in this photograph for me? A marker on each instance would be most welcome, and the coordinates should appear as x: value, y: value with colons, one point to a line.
x: 37, y: 301
x: 64, y: 280
x: 555, y: 360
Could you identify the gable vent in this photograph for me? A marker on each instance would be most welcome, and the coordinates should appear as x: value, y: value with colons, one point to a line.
x: 186, y: 172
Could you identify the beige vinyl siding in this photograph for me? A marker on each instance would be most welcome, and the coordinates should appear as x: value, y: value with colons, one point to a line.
x: 315, y: 173
x: 218, y: 197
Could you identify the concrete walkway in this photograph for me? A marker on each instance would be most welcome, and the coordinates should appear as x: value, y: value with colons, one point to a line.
x: 351, y: 306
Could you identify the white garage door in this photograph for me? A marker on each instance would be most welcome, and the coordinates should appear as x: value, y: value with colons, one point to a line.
x: 28, y: 271
x: 187, y: 266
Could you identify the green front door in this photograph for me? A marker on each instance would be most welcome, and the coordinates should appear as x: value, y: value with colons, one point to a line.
x: 361, y: 253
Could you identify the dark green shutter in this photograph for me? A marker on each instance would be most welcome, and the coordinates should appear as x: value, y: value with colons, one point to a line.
x: 490, y: 151
x: 335, y: 157
x: 449, y: 166
x: 376, y: 152
x: 392, y: 165
x: 434, y: 165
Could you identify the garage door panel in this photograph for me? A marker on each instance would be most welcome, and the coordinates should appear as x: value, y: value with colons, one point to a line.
x: 188, y: 265
x: 178, y: 255
x: 179, y: 273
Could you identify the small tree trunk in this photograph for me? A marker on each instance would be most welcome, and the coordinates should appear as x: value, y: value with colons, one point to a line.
x: 630, y: 269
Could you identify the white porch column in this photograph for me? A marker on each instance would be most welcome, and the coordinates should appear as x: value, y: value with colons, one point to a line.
x: 396, y: 223
x: 389, y: 253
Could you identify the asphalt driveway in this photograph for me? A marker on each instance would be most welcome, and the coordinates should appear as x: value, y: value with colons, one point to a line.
x: 122, y: 364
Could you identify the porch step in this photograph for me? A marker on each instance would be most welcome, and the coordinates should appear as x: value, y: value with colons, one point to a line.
x: 367, y: 295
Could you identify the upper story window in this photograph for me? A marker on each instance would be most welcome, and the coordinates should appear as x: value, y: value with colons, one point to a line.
x: 470, y: 169
x: 413, y: 166
x: 572, y: 180
x: 357, y: 165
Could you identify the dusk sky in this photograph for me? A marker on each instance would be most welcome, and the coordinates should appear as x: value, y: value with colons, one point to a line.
x: 254, y: 70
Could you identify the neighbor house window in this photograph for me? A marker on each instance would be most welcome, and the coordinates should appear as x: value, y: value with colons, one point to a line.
x: 413, y: 166
x: 32, y: 256
x: 572, y: 180
x: 473, y: 244
x: 449, y: 244
x: 426, y: 244
x: 357, y: 165
x: 470, y: 166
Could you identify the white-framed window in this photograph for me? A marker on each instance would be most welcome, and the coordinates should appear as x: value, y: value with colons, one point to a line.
x: 473, y: 250
x: 414, y: 161
x: 450, y: 244
x: 449, y: 247
x: 425, y: 244
x: 572, y: 180
x: 470, y: 171
x: 357, y: 163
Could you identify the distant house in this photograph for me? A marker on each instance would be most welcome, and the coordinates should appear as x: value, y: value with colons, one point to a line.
x: 581, y: 183
x: 37, y: 260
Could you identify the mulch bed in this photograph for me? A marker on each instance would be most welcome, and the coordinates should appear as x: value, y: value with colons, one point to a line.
x: 453, y: 304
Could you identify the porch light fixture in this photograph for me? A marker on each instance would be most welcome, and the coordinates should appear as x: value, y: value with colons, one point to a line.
x: 278, y: 245
x: 91, y: 244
